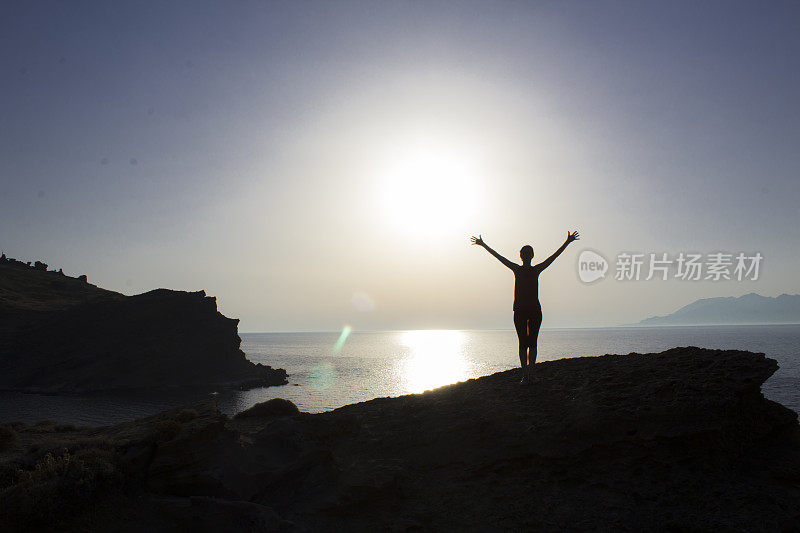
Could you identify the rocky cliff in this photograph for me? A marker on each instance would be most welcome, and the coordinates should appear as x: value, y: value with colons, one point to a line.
x: 61, y: 334
x: 675, y: 441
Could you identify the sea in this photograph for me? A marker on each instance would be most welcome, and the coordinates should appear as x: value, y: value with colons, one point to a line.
x: 331, y: 369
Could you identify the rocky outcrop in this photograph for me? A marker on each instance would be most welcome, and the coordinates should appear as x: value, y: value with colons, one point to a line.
x: 680, y: 440
x: 64, y: 335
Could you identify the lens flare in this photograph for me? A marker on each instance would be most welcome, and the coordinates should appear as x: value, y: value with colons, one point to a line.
x: 322, y: 376
x: 337, y: 348
x: 362, y: 302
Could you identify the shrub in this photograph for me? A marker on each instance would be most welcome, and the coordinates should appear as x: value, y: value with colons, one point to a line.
x: 60, y: 488
x: 186, y: 415
x: 17, y: 425
x: 8, y: 438
x: 167, y: 429
x: 273, y: 407
x: 44, y: 425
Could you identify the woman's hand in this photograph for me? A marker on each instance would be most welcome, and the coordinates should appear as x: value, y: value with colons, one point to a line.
x: 571, y: 236
x: 477, y: 240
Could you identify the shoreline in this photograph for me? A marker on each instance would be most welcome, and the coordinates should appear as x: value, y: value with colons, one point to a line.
x: 388, y: 375
x: 641, y: 441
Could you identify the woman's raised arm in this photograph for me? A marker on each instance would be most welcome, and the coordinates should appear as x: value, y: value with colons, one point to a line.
x: 478, y: 241
x: 570, y: 238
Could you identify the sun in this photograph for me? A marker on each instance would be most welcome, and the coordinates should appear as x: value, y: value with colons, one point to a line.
x: 429, y: 190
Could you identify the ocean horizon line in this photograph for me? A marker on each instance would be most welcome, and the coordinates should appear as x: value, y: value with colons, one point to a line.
x: 621, y: 326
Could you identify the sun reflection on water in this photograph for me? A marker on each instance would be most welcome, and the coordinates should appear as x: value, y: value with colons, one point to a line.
x: 434, y: 358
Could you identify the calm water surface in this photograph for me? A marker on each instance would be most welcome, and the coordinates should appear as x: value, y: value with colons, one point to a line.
x: 328, y: 370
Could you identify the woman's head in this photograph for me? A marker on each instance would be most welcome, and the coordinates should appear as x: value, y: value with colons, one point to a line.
x: 526, y: 253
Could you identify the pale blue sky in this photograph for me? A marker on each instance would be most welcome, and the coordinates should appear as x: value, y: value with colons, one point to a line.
x: 246, y: 148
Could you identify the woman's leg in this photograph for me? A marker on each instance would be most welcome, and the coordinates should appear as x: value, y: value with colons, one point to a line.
x: 521, y: 325
x: 533, y: 337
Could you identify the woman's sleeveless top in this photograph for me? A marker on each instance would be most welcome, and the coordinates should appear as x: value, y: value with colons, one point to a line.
x: 526, y: 288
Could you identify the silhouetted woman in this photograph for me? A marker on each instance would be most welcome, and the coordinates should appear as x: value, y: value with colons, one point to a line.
x: 527, y: 309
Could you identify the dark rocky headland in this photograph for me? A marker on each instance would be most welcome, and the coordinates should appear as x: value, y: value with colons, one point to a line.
x: 681, y: 440
x: 60, y: 334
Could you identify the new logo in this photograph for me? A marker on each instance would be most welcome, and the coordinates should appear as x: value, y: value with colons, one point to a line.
x: 591, y: 266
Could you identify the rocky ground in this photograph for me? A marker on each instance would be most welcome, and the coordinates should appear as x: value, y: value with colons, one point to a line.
x: 60, y: 334
x: 680, y: 440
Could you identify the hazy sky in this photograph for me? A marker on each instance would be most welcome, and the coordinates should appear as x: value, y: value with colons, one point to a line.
x: 316, y: 164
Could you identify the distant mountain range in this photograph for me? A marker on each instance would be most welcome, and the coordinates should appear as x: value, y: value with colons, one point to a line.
x: 748, y: 309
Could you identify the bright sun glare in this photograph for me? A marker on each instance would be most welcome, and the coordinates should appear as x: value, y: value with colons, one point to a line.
x: 435, y: 358
x: 430, y: 191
